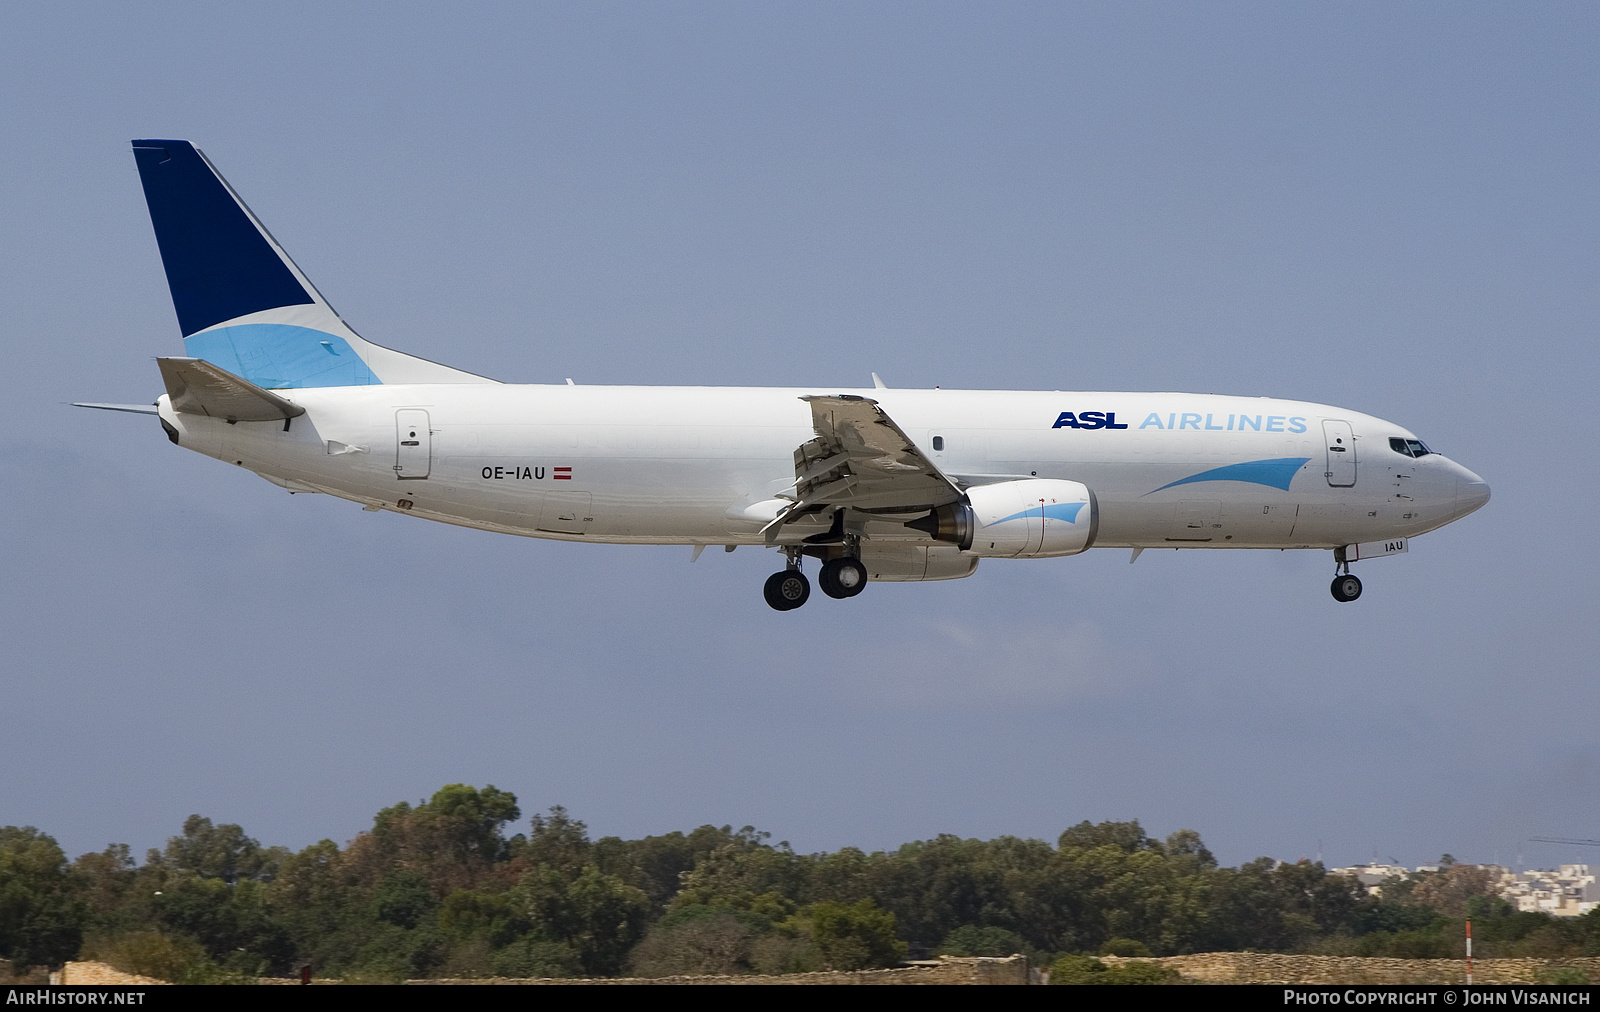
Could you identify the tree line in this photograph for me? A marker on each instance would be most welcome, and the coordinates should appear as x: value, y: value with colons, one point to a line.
x: 438, y: 889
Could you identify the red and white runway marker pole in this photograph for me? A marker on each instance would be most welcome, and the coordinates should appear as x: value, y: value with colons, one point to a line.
x: 1469, y: 951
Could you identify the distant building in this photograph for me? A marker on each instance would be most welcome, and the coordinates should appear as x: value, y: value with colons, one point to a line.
x: 1373, y: 876
x: 1570, y: 891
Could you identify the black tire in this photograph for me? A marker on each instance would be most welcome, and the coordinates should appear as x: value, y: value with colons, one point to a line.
x: 787, y: 590
x: 1345, y: 588
x: 842, y: 577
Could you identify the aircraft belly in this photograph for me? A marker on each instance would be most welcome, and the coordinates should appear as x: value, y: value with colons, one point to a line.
x: 1218, y: 522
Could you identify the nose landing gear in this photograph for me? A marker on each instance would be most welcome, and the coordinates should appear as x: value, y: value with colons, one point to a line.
x: 1345, y: 587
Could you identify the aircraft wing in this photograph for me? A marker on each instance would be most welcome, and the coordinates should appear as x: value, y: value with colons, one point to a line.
x: 861, y: 459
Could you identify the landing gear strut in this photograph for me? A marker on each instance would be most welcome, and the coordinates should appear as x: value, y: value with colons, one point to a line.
x: 1345, y: 587
x: 788, y: 589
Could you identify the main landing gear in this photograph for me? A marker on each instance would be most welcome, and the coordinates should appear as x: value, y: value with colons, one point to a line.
x: 787, y: 590
x: 1345, y: 587
x: 841, y: 577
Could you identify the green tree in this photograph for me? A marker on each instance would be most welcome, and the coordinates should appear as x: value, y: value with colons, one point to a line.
x: 599, y: 916
x: 470, y: 820
x: 1142, y: 973
x: 234, y: 925
x: 935, y: 886
x: 150, y: 954
x: 1077, y: 970
x: 1088, y: 970
x: 1127, y: 887
x: 106, y: 883
x: 1273, y: 905
x: 699, y: 940
x: 454, y: 838
x: 657, y: 864
x: 742, y: 867
x: 312, y: 895
x: 41, y: 918
x: 469, y: 913
x: 531, y: 956
x: 437, y: 887
x: 1588, y: 927
x: 1128, y: 837
x: 1453, y: 886
x: 1125, y: 947
x: 856, y: 936
x: 559, y: 841
x: 973, y: 940
x: 608, y: 919
x: 221, y: 852
x: 404, y: 899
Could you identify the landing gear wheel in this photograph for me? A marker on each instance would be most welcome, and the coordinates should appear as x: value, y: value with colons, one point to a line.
x: 842, y: 577
x: 787, y: 590
x: 1346, y: 588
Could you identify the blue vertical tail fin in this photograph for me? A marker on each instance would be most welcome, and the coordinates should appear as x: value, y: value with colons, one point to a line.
x: 242, y: 304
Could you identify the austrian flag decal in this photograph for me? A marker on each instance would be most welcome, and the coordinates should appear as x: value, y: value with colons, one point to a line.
x: 561, y: 473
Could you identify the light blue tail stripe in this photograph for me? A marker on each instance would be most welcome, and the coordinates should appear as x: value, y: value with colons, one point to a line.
x: 1276, y: 473
x: 279, y: 356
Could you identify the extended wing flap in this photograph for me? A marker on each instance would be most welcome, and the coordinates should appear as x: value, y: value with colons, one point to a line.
x: 862, y: 459
x: 199, y: 388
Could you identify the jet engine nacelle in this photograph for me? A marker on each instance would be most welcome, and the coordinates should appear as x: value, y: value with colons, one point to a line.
x: 1028, y: 518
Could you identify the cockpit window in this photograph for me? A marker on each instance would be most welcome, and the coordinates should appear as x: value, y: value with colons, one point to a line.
x: 1409, y: 447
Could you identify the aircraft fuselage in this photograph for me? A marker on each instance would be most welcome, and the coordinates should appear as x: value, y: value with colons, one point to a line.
x: 693, y: 465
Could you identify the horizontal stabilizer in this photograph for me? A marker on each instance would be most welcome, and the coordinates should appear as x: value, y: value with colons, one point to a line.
x: 199, y: 388
x: 138, y: 409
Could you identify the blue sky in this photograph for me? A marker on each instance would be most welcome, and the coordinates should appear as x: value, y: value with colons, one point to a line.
x: 1389, y: 207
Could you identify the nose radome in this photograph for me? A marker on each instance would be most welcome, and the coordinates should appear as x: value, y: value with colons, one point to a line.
x: 1471, y: 492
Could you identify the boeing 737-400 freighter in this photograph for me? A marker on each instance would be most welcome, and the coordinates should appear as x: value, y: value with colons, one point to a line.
x: 877, y: 485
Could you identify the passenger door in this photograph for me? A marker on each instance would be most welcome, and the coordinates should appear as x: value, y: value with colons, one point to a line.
x: 1341, y: 443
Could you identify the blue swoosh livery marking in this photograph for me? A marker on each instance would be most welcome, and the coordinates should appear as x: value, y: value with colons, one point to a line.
x: 279, y: 356
x: 1275, y: 473
x: 1067, y: 511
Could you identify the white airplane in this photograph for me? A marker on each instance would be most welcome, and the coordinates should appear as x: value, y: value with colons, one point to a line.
x: 878, y: 485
